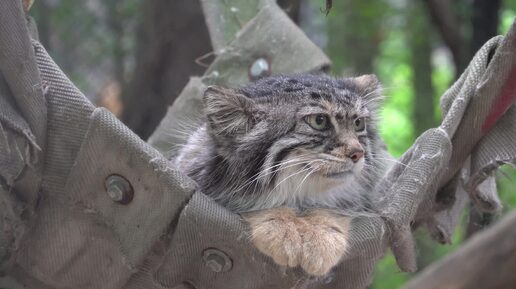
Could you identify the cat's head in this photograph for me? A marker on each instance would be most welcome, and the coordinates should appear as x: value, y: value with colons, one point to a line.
x: 296, y: 135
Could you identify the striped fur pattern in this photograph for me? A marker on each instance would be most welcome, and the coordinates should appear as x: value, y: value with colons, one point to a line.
x: 260, y: 148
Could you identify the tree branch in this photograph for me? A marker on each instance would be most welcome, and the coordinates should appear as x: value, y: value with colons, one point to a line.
x: 448, y: 26
x: 486, y: 261
x: 485, y: 22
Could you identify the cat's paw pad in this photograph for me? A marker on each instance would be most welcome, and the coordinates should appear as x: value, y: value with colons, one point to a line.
x: 324, y: 243
x: 275, y: 234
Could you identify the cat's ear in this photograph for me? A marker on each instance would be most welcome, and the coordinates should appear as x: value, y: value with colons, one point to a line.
x: 370, y: 89
x: 229, y: 112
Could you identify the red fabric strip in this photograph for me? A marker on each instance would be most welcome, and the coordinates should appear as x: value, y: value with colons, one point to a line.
x: 502, y: 104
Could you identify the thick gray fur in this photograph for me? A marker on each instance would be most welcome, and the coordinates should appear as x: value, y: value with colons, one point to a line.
x: 257, y: 151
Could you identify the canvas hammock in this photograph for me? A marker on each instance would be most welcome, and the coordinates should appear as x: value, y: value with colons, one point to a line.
x: 85, y: 203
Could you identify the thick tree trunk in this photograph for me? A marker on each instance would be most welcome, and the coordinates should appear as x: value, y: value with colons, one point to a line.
x: 353, y: 46
x: 485, y: 22
x: 292, y: 8
x: 115, y: 23
x: 420, y: 39
x: 172, y: 37
x: 42, y: 10
x: 448, y: 24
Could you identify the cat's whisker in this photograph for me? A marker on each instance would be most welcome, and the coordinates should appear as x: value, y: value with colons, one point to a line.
x: 183, y: 127
x: 189, y: 124
x: 388, y: 88
x: 302, y: 162
x: 179, y: 132
x: 304, y: 179
x: 306, y: 168
x: 394, y: 161
x: 280, y: 169
x: 287, y: 161
x: 332, y: 158
x: 378, y: 96
x: 299, y: 159
x: 261, y: 174
x: 268, y: 171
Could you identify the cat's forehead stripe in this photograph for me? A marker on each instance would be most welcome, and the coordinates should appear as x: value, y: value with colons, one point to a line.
x: 315, y: 95
x: 294, y: 83
x: 316, y: 104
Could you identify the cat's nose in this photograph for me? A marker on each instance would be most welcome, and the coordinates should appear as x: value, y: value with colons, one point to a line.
x: 356, y: 154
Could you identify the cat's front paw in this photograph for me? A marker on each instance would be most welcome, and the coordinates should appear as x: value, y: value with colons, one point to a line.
x: 324, y: 242
x: 275, y: 233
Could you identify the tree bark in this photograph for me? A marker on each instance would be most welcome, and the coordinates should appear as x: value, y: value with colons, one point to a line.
x: 292, y: 8
x: 172, y: 37
x: 42, y: 10
x: 354, y: 35
x: 115, y: 23
x: 485, y: 22
x: 444, y: 18
x: 420, y: 38
x: 486, y: 261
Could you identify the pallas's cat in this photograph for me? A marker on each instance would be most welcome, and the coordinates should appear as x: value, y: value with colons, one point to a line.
x: 289, y: 153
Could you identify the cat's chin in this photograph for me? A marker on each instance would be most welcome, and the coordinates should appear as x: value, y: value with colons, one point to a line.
x: 342, y: 172
x: 328, y: 181
x: 325, y: 182
x: 343, y: 175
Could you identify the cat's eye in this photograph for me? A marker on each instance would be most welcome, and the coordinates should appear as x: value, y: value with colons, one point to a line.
x: 318, y: 121
x: 359, y: 124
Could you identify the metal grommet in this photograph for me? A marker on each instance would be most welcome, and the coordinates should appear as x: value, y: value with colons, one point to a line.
x: 217, y: 260
x: 119, y: 189
x: 259, y: 68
